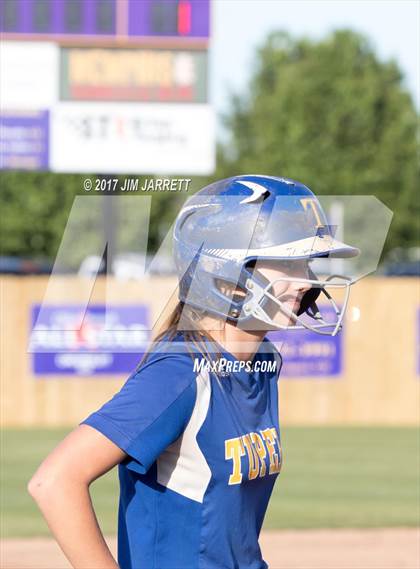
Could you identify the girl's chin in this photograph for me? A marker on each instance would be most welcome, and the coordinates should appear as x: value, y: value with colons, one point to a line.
x: 284, y: 320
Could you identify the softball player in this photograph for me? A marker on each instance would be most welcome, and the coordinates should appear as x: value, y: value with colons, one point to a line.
x: 195, y: 429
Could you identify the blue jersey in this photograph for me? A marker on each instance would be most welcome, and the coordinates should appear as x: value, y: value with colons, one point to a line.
x: 203, y: 455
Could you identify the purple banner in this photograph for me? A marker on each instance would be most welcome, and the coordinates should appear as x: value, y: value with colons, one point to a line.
x: 132, y: 18
x: 308, y: 354
x: 111, y: 339
x: 62, y: 17
x: 24, y: 140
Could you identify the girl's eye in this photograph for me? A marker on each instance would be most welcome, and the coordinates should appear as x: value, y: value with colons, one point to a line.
x: 280, y: 264
x: 284, y: 265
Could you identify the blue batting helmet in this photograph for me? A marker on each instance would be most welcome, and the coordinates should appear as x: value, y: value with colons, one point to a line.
x: 230, y: 224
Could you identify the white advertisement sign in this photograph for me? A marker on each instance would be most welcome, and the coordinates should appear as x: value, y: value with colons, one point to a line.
x: 143, y: 138
x: 28, y: 75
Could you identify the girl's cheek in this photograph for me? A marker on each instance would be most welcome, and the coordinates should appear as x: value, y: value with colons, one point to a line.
x: 281, y: 288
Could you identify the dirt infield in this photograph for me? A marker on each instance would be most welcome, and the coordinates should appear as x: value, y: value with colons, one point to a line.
x: 314, y: 549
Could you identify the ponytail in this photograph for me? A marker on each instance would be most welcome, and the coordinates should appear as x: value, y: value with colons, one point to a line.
x: 193, y: 335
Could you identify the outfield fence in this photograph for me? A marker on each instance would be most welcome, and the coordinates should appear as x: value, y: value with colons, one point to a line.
x: 373, y: 377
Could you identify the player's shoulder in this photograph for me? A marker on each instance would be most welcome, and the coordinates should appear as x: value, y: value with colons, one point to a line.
x: 270, y: 348
x: 169, y: 363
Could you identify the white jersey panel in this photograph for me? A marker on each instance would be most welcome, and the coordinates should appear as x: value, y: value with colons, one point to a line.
x: 182, y: 467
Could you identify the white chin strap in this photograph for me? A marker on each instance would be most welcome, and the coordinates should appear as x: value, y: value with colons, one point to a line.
x: 253, y: 308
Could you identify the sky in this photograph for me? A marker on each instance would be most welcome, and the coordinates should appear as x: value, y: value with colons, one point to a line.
x: 238, y: 27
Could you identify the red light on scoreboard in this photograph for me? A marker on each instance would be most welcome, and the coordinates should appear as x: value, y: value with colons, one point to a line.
x: 184, y: 17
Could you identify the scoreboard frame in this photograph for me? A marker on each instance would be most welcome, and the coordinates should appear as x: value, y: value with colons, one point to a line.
x: 148, y: 23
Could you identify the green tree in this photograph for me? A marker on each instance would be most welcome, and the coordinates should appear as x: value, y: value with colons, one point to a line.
x: 35, y: 207
x: 328, y: 113
x: 331, y: 114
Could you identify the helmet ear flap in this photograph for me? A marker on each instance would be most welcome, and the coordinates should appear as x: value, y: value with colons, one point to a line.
x: 310, y: 297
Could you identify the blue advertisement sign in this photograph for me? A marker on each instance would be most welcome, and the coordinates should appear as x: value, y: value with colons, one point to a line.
x: 110, y: 340
x: 308, y: 354
x: 24, y: 140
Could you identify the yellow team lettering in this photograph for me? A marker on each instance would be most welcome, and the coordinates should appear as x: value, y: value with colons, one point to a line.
x: 270, y: 436
x: 253, y: 459
x: 234, y: 449
x: 262, y: 453
x: 256, y: 446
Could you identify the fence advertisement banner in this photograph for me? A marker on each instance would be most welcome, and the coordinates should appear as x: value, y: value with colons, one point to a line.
x: 111, y: 340
x: 307, y: 354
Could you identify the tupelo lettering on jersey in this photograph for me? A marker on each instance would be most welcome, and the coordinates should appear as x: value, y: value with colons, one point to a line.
x: 257, y: 446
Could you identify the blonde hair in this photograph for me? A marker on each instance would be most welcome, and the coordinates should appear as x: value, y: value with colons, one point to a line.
x: 194, y: 335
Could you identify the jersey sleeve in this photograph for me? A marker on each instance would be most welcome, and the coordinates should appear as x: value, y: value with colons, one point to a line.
x: 151, y: 410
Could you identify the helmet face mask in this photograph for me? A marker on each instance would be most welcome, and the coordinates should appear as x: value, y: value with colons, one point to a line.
x: 255, y: 306
x: 252, y: 303
x: 229, y: 230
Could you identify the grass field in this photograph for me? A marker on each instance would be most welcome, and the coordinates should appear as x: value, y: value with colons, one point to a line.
x: 331, y: 478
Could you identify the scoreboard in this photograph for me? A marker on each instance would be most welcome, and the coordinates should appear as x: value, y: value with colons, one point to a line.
x: 110, y: 86
x: 90, y: 19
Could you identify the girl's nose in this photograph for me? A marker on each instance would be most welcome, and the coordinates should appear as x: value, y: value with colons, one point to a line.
x: 300, y: 286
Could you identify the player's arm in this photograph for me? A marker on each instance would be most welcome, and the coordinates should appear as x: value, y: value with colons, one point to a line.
x: 60, y: 487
